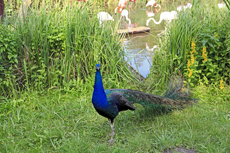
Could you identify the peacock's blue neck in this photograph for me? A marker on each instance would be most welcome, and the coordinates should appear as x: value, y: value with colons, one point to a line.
x: 99, y: 96
x: 98, y: 80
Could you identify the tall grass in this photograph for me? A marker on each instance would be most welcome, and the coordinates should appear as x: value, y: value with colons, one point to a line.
x: 197, y: 44
x: 56, y: 46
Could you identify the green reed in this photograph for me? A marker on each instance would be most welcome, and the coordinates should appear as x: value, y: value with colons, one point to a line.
x: 56, y: 46
x: 196, y: 44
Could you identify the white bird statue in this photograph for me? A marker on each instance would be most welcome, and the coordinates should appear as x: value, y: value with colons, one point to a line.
x: 152, y: 3
x: 189, y: 5
x: 221, y: 5
x: 150, y: 13
x: 151, y: 49
x: 104, y: 16
x: 167, y: 16
x: 180, y: 7
x: 121, y: 5
x: 125, y: 14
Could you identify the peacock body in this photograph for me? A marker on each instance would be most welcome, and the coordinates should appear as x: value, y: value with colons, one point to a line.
x: 110, y: 102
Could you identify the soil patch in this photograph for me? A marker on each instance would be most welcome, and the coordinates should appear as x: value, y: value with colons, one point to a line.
x: 180, y: 150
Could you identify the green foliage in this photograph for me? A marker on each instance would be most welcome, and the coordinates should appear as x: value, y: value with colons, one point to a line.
x: 212, y: 49
x: 51, y: 48
x: 8, y: 59
x: 216, y: 41
x: 198, y: 44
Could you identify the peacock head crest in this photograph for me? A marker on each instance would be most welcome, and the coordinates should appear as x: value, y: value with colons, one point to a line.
x: 98, y: 67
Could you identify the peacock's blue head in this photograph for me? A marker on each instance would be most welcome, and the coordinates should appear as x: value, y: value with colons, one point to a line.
x: 98, y: 67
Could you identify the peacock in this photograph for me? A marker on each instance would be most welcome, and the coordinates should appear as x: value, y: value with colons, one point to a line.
x: 110, y: 102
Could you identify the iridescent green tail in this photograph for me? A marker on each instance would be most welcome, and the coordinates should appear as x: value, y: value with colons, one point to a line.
x: 175, y: 98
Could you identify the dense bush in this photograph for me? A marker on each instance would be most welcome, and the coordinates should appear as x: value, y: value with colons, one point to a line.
x: 212, y: 60
x: 8, y: 58
x: 53, y: 47
x: 198, y: 45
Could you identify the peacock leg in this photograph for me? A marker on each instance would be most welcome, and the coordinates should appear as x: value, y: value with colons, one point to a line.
x: 112, y: 128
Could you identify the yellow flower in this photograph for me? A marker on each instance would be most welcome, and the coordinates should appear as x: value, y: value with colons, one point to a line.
x: 190, y: 73
x: 193, y: 45
x: 192, y: 59
x: 204, y: 54
x: 188, y: 64
x: 221, y: 84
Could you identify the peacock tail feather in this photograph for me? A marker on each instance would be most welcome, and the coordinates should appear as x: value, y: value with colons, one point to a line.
x: 149, y: 100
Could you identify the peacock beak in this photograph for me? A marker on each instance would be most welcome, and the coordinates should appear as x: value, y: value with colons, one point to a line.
x: 98, y: 67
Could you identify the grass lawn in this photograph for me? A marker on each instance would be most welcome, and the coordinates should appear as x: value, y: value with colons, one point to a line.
x: 67, y: 122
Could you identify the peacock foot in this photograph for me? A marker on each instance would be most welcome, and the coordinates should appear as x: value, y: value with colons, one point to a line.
x: 112, y: 134
x: 111, y: 141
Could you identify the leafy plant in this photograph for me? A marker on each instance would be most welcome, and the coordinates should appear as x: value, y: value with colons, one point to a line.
x: 57, y: 45
x: 8, y: 59
x: 198, y: 44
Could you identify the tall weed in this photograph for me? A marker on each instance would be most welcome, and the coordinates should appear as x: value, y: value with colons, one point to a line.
x: 51, y: 47
x: 197, y: 44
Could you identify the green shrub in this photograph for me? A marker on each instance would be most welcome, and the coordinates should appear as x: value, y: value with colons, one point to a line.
x: 52, y: 47
x: 8, y: 59
x: 197, y: 44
